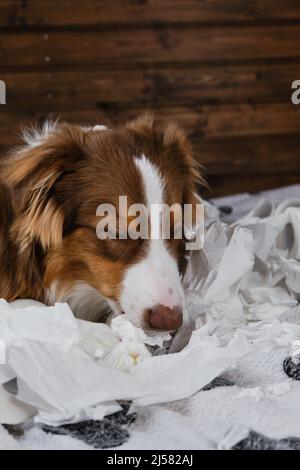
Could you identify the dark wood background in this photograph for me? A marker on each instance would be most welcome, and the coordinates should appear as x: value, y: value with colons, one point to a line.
x: 222, y: 68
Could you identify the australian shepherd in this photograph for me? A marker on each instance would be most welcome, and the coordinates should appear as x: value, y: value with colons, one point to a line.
x: 50, y: 190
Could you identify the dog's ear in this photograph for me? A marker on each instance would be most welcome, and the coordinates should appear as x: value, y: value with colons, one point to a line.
x: 173, y: 140
x: 143, y: 124
x: 31, y: 173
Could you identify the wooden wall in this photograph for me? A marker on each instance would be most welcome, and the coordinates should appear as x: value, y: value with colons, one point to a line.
x: 221, y: 68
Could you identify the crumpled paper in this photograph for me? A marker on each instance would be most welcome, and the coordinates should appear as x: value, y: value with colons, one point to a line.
x: 237, y: 288
x: 68, y: 378
x: 249, y: 270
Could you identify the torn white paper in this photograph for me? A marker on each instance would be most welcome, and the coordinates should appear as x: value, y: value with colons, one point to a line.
x: 65, y: 383
x: 13, y: 411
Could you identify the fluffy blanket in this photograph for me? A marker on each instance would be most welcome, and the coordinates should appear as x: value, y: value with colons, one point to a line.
x: 232, y: 384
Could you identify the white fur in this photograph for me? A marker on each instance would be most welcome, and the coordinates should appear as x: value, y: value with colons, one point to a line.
x: 98, y: 127
x: 155, y: 279
x: 85, y: 302
x: 152, y: 181
x: 36, y: 136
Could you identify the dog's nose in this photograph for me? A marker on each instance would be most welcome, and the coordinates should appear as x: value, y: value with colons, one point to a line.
x: 165, y: 318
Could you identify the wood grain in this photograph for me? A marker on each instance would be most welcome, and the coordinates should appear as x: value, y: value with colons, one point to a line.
x: 205, y: 122
x: 148, y: 46
x: 152, y: 87
x: 94, y: 13
x: 243, y: 155
x: 222, y: 185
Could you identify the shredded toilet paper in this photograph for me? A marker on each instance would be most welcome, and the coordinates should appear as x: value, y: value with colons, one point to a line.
x: 67, y: 382
x: 237, y: 287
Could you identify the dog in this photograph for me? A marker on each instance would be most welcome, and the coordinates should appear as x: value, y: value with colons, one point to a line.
x: 50, y: 190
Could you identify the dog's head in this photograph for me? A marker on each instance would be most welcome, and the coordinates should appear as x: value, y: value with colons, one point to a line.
x: 59, y: 180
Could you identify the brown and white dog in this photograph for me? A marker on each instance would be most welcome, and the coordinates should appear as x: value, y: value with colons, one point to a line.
x: 50, y: 190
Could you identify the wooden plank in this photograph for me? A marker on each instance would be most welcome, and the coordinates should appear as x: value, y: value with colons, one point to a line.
x: 224, y: 121
x: 279, y: 153
x: 151, y: 87
x: 223, y: 185
x: 95, y: 13
x: 149, y: 46
x: 205, y: 122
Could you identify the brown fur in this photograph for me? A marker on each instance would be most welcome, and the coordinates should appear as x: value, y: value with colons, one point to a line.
x: 49, y: 195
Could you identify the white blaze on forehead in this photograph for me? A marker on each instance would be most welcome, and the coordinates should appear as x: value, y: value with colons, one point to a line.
x: 152, y: 181
x: 155, y: 279
x: 154, y: 191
